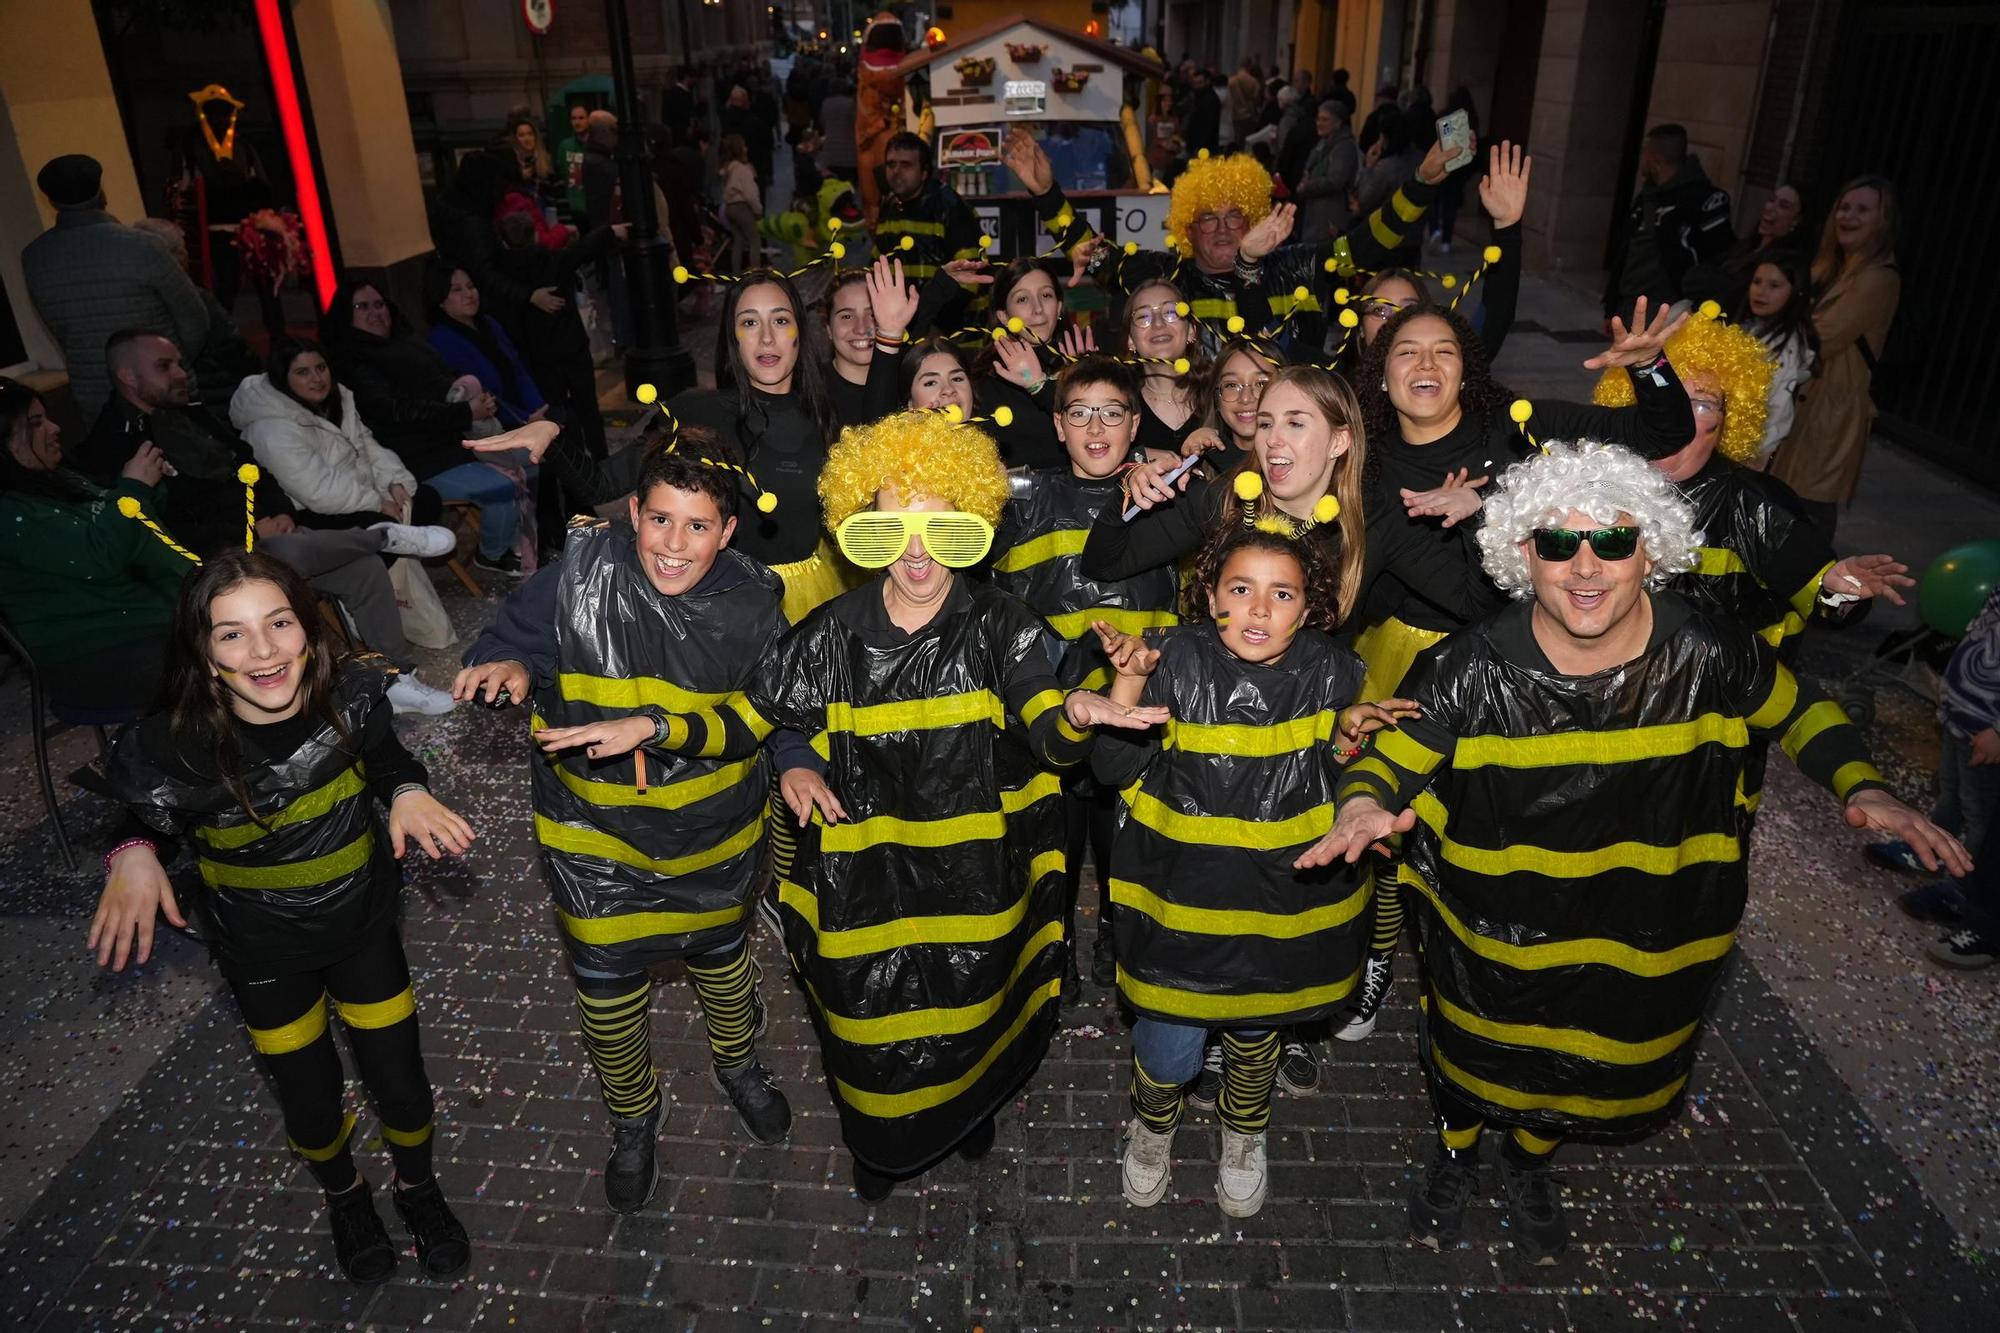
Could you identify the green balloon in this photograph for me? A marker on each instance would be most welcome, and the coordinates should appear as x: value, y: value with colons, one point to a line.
x: 1957, y: 584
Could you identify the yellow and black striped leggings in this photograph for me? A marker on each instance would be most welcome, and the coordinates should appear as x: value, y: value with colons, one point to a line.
x: 1166, y: 1057
x: 287, y: 1018
x: 618, y: 1027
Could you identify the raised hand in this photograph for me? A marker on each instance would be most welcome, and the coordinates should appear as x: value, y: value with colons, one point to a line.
x: 969, y: 273
x: 1269, y: 233
x: 1361, y: 826
x: 804, y: 789
x: 1877, y: 809
x: 1087, y: 710
x: 496, y: 678
x: 535, y: 437
x: 1641, y: 343
x: 135, y: 891
x: 1017, y: 359
x: 1129, y: 653
x: 1456, y: 500
x: 1431, y: 170
x: 1360, y: 720
x: 1503, y: 191
x: 1025, y: 158
x: 1201, y: 440
x: 146, y: 466
x: 1869, y: 576
x: 893, y: 301
x: 1145, y: 485
x: 1083, y: 257
x: 1076, y: 342
x: 419, y: 817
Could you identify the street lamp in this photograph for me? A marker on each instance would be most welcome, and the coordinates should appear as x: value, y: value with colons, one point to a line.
x: 656, y: 356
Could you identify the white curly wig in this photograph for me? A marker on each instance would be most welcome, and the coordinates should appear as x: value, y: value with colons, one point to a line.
x: 1600, y: 480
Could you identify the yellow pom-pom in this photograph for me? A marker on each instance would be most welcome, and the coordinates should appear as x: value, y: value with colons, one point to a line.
x: 1348, y: 319
x: 1202, y: 155
x: 953, y: 414
x: 1003, y: 415
x: 766, y: 503
x: 1327, y: 510
x: 128, y: 506
x: 1301, y: 293
x: 907, y: 243
x: 680, y: 273
x: 1448, y: 281
x: 1341, y: 296
x: 1249, y: 485
x: 1014, y: 324
x: 1234, y: 324
x: 1710, y: 310
x: 1491, y: 254
x: 1181, y: 309
x: 1331, y: 265
x: 1171, y: 241
x: 1181, y: 365
x: 248, y: 474
x: 1131, y: 247
x: 985, y: 242
x: 1520, y: 410
x: 647, y: 394
x: 834, y: 224
x: 837, y: 250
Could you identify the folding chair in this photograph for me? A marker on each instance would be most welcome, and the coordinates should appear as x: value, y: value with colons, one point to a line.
x: 40, y: 706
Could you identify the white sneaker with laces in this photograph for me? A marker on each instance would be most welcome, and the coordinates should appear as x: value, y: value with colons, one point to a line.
x: 1149, y: 1165
x: 407, y: 694
x: 424, y: 543
x: 1242, y: 1177
x: 1374, y: 988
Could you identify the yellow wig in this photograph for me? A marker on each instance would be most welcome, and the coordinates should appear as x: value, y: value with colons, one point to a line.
x: 1736, y: 359
x: 1218, y: 184
x: 918, y: 453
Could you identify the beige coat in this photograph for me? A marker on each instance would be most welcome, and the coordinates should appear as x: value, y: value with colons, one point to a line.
x: 1821, y: 458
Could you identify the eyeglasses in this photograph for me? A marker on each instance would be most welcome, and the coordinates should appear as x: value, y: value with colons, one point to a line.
x: 1111, y: 414
x: 1242, y: 390
x: 876, y: 539
x: 371, y: 305
x: 1233, y: 220
x: 1559, y: 544
x: 1706, y: 407
x: 1146, y: 316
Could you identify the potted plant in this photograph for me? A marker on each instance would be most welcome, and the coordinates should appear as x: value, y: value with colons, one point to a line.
x: 1026, y: 53
x: 1066, y: 81
x: 976, y: 71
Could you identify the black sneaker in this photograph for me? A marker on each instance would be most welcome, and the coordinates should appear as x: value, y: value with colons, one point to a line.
x: 979, y: 1142
x: 1966, y: 948
x: 1104, y: 959
x: 872, y: 1186
x: 360, y: 1242
x: 1376, y: 973
x: 1533, y: 1209
x: 1207, y: 1085
x: 767, y: 912
x: 442, y: 1247
x: 1940, y: 903
x: 1298, y: 1066
x: 632, y: 1171
x: 766, y: 1115
x: 1437, y: 1203
x: 507, y: 564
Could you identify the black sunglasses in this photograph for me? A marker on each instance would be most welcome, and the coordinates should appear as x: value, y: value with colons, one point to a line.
x: 1559, y: 544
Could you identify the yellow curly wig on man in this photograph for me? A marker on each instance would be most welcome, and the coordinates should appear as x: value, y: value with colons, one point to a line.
x: 918, y: 453
x: 1218, y: 184
x: 1711, y: 346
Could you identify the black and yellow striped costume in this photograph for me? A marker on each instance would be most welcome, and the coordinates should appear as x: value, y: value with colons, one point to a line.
x: 1578, y: 862
x: 300, y: 908
x: 1761, y: 560
x: 941, y: 227
x: 927, y: 926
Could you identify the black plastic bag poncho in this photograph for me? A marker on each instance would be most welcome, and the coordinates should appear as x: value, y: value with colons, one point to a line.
x: 1214, y: 925
x: 639, y: 877
x: 1578, y: 859
x: 1761, y: 559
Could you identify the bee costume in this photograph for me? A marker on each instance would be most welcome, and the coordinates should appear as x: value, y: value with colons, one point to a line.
x: 927, y: 926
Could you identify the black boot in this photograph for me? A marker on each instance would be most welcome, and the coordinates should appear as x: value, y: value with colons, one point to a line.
x: 979, y: 1142
x: 872, y: 1186
x: 442, y: 1247
x: 1104, y: 957
x: 766, y: 1115
x: 1533, y: 1211
x: 632, y: 1172
x: 360, y: 1242
x: 1437, y: 1203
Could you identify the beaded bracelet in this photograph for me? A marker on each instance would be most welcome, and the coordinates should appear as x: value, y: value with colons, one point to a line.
x: 896, y: 343
x: 127, y: 845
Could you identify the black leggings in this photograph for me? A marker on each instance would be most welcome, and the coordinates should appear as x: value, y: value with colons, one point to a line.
x: 1090, y: 814
x: 287, y: 1018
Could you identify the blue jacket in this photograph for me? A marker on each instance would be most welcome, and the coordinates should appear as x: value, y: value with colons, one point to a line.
x: 509, y: 382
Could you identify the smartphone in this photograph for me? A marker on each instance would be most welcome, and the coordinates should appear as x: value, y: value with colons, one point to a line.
x: 1455, y: 134
x: 1180, y: 470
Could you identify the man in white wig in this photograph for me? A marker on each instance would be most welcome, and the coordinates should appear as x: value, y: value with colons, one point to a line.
x: 1577, y: 825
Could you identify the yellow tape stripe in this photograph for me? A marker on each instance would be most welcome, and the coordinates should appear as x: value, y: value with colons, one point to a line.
x: 917, y: 1024
x: 897, y: 226
x: 635, y: 692
x: 947, y: 710
x: 1401, y: 749
x: 1816, y: 719
x: 1189, y: 1004
x: 1224, y: 831
x: 312, y: 805
x: 309, y: 874
x: 629, y: 926
x: 1073, y: 625
x: 1718, y: 561
x: 1778, y: 704
x: 1650, y: 858
x: 331, y: 1150
x: 1405, y: 210
x: 1040, y: 704
x: 1589, y: 1108
x: 1230, y: 923
x: 1569, y: 1041
x: 910, y: 931
x: 1803, y: 600
x: 1575, y: 953
x: 887, y: 1106
x: 378, y: 1013
x: 1249, y: 741
x: 408, y: 1138
x: 296, y: 1035
x: 1624, y: 746
x: 592, y: 842
x: 1385, y: 235
x: 1849, y: 776
x: 1041, y: 549
x: 1365, y: 774
x: 666, y: 796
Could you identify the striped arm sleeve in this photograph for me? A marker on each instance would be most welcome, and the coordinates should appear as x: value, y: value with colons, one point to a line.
x: 1397, y: 766
x: 1816, y: 733
x: 733, y: 729
x: 1374, y: 238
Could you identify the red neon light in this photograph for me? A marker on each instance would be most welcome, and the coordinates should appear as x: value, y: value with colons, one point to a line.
x: 284, y: 85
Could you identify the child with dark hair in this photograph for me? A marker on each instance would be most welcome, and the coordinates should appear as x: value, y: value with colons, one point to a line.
x: 272, y: 754
x: 1777, y: 307
x: 651, y: 856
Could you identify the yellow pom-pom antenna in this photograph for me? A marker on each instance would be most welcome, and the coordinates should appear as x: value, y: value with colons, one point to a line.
x: 766, y: 502
x: 1003, y: 415
x: 834, y: 224
x: 837, y: 250
x: 1341, y: 296
x: 128, y: 506
x: 1520, y: 410
x: 1491, y: 254
x: 985, y: 241
x: 1202, y: 155
x: 1234, y: 324
x: 1181, y: 365
x: 1448, y: 281
x: 1710, y: 310
x: 1014, y: 324
x: 1331, y: 265
x: 1181, y: 308
x: 248, y: 474
x: 1249, y: 485
x: 1131, y: 248
x: 1348, y: 319
x: 647, y: 394
x: 680, y: 274
x: 1301, y: 293
x: 907, y: 243
x: 1327, y: 510
x: 953, y: 414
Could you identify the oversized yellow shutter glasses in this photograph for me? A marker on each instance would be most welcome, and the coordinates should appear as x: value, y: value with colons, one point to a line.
x: 876, y: 539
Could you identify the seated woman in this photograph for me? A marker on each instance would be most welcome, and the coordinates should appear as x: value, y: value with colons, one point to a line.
x: 474, y: 344
x: 309, y: 436
x: 405, y: 392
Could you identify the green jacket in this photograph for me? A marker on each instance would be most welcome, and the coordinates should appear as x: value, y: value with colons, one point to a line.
x: 77, y: 576
x: 569, y: 161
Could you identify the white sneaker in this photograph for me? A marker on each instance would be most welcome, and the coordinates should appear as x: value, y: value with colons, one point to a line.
x: 1149, y: 1165
x: 423, y: 543
x: 1242, y: 1178
x: 407, y: 694
x: 1376, y: 974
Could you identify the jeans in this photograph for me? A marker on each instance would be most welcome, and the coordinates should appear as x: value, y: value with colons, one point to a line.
x: 1968, y: 795
x: 493, y: 492
x: 1171, y: 1052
